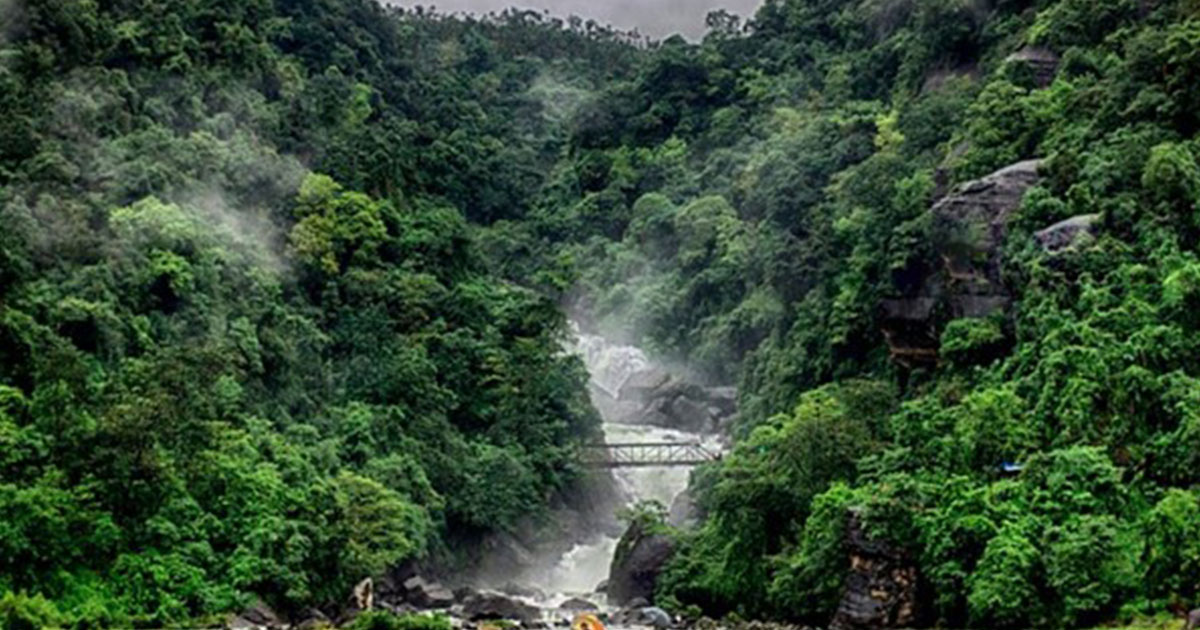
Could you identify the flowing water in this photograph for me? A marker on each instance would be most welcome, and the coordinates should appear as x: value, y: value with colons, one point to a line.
x: 580, y: 570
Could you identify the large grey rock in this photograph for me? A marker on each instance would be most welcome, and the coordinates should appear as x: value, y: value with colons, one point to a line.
x: 637, y: 563
x: 691, y: 415
x: 428, y: 595
x: 492, y: 605
x: 522, y: 590
x: 643, y: 385
x: 971, y: 223
x: 258, y: 616
x: 881, y: 588
x: 655, y: 617
x: 578, y: 604
x: 1042, y: 63
x: 683, y: 512
x: 969, y: 228
x: 1064, y: 234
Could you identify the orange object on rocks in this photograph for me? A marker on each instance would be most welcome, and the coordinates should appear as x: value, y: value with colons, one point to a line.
x: 587, y: 621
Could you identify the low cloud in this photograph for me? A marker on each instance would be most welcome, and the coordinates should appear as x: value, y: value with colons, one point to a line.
x: 655, y: 18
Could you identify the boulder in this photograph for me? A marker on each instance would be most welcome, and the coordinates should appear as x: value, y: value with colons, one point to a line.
x: 602, y: 587
x: 1193, y: 620
x: 423, y: 594
x: 882, y: 586
x: 655, y: 617
x: 970, y: 225
x: 1042, y: 63
x: 723, y: 398
x: 1064, y: 234
x: 463, y: 592
x: 521, y: 590
x: 492, y: 605
x: 311, y: 619
x: 683, y: 512
x: 637, y: 563
x: 643, y: 385
x: 691, y: 416
x: 578, y: 604
x: 362, y: 597
x: 258, y: 616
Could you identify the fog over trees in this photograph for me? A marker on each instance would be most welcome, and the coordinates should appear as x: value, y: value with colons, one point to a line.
x: 655, y: 18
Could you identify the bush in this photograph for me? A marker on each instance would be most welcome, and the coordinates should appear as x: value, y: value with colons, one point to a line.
x: 20, y: 611
x: 383, y: 620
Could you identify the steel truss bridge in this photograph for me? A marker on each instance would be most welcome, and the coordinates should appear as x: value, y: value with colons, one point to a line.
x: 646, y: 455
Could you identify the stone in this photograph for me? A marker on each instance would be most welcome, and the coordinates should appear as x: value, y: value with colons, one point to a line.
x: 521, y: 590
x: 683, y: 512
x: 691, y: 416
x: 258, y: 616
x: 655, y: 617
x: 578, y: 604
x: 882, y: 585
x: 643, y: 384
x: 493, y: 605
x: 362, y: 597
x: 602, y: 587
x: 1041, y: 62
x: 970, y: 225
x: 1064, y: 234
x: 1193, y: 620
x: 637, y: 563
x: 311, y: 619
x: 427, y: 595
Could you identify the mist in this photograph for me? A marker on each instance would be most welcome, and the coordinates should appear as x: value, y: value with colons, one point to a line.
x: 655, y: 18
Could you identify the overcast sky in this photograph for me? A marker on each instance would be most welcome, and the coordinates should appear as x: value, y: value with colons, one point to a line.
x: 656, y: 18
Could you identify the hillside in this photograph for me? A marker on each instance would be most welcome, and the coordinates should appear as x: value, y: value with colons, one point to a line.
x: 283, y: 287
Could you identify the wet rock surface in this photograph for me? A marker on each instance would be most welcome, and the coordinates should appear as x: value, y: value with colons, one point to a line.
x: 882, y: 586
x: 578, y: 604
x: 639, y: 560
x: 492, y: 605
x: 257, y: 616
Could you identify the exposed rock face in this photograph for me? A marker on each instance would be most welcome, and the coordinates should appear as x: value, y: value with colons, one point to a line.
x: 1041, y: 62
x: 882, y: 587
x: 636, y: 565
x: 656, y: 398
x: 492, y: 605
x: 1064, y: 234
x: 970, y: 225
x: 648, y: 616
x: 683, y: 512
x: 427, y: 595
x: 257, y: 616
x: 578, y: 604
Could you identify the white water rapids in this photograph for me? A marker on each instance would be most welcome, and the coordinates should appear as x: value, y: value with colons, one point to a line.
x: 581, y: 569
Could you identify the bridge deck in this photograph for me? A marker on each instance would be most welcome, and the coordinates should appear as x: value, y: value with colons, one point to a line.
x: 646, y: 455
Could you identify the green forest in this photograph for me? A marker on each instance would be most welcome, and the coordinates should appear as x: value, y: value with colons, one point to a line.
x: 285, y: 284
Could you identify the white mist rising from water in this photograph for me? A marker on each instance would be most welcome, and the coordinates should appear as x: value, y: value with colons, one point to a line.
x: 581, y: 569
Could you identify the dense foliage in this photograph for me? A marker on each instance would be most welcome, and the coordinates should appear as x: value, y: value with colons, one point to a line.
x: 254, y: 339
x: 247, y: 346
x: 745, y: 205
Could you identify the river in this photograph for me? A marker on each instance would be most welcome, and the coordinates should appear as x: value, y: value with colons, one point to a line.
x: 578, y: 572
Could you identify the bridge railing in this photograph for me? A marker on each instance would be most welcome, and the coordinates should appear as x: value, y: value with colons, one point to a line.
x: 646, y: 454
